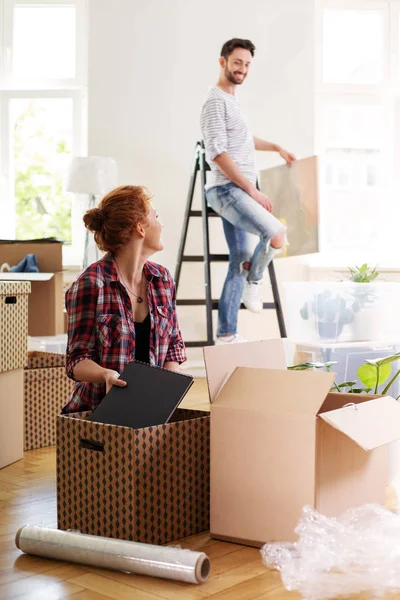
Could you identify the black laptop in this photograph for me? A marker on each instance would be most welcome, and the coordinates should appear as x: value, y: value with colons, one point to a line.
x: 149, y: 399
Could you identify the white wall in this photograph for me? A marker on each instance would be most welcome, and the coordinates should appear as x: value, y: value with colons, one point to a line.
x: 150, y: 65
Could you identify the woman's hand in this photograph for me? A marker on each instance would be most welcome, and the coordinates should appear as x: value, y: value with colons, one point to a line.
x: 112, y: 378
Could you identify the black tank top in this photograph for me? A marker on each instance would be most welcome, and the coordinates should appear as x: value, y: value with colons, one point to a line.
x: 142, y: 347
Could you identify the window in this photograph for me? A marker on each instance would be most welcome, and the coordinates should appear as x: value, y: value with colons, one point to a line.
x: 353, y: 46
x: 358, y: 122
x: 40, y: 51
x: 42, y: 118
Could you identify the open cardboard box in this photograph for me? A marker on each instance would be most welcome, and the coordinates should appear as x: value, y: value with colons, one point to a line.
x: 280, y: 440
x: 45, y: 314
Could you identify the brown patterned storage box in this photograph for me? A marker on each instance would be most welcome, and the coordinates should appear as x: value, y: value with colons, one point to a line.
x: 46, y: 390
x: 13, y: 324
x: 147, y: 485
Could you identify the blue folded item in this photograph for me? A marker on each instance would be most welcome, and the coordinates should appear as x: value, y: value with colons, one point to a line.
x: 27, y: 265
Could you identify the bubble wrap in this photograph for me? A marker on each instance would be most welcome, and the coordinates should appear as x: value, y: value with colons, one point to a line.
x: 357, y: 552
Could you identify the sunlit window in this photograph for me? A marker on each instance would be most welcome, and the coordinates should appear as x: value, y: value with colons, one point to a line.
x: 44, y: 42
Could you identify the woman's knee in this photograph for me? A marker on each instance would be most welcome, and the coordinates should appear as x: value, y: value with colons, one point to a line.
x: 278, y: 240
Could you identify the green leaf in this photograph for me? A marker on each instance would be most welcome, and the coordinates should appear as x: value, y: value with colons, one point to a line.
x: 383, y: 361
x: 390, y: 383
x: 368, y: 374
x: 312, y: 365
x: 347, y: 384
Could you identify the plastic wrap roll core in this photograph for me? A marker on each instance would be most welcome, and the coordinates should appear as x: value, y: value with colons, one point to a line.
x: 119, y: 555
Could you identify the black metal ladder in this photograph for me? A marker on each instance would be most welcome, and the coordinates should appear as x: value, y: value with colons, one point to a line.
x: 200, y: 165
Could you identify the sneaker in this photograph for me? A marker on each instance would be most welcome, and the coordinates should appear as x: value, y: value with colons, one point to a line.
x: 233, y: 339
x: 252, y: 296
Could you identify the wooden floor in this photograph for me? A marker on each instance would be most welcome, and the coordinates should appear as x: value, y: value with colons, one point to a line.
x: 27, y: 496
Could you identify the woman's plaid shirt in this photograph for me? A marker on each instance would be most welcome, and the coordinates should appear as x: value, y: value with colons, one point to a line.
x: 101, y: 326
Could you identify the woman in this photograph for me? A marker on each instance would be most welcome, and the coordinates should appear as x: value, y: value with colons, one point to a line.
x: 121, y: 308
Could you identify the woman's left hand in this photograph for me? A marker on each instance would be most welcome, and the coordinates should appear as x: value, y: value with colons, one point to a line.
x: 112, y: 378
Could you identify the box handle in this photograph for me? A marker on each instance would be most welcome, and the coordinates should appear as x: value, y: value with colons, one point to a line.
x: 91, y: 445
x: 10, y: 300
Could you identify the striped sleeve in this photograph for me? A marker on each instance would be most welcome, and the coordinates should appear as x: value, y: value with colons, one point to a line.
x: 213, y: 125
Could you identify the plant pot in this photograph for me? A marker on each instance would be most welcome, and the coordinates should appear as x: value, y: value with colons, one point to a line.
x: 329, y: 331
x: 365, y: 327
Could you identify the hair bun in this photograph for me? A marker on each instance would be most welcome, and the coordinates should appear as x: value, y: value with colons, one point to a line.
x: 94, y: 219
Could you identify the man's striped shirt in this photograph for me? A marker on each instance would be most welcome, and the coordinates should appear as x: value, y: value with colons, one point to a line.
x: 225, y: 129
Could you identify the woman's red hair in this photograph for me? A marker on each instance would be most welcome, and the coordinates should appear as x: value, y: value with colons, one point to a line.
x: 117, y: 216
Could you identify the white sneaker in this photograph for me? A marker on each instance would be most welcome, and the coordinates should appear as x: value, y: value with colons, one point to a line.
x: 232, y: 339
x: 252, y: 296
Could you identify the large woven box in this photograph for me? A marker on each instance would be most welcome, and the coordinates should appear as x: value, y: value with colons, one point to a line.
x: 148, y: 485
x: 46, y: 390
x: 13, y: 324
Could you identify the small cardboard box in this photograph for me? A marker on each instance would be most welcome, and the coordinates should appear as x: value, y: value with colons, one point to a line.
x: 13, y: 324
x: 46, y: 390
x: 147, y: 485
x: 280, y: 440
x: 11, y: 416
x: 46, y: 300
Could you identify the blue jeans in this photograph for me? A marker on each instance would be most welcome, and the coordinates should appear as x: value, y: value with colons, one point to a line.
x: 242, y: 219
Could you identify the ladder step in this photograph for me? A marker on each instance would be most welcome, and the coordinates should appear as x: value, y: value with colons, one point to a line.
x: 202, y: 302
x: 196, y: 344
x: 200, y: 258
x: 199, y: 213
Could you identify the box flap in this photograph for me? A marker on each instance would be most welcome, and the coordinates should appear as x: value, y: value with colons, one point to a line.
x: 26, y: 276
x: 277, y: 391
x: 220, y: 361
x: 370, y: 424
x: 48, y: 253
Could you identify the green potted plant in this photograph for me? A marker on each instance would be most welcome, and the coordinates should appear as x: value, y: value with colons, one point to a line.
x: 336, y: 306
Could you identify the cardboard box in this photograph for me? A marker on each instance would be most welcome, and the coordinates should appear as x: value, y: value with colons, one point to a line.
x: 46, y: 300
x: 280, y: 440
x: 148, y: 485
x: 11, y: 416
x: 46, y: 390
x: 13, y: 324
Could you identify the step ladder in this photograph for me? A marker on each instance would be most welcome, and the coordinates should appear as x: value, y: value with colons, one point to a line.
x: 200, y: 165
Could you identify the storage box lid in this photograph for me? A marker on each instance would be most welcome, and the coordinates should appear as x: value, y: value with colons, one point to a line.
x: 26, y: 276
x: 14, y: 288
x: 370, y: 424
x: 278, y: 391
x: 44, y: 360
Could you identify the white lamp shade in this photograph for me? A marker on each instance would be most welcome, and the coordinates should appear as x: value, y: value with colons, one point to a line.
x: 92, y: 175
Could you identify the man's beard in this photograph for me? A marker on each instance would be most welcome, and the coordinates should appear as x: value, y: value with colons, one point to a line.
x: 232, y: 78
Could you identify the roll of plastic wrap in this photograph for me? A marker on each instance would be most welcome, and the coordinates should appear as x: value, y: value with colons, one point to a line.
x: 130, y: 557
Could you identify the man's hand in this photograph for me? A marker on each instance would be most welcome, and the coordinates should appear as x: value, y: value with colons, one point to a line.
x: 262, y: 199
x: 112, y: 378
x: 288, y: 157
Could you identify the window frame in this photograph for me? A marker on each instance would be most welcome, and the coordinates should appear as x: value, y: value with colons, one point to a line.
x: 9, y: 81
x: 386, y: 95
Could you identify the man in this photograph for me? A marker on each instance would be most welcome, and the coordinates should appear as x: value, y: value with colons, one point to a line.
x: 231, y: 190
